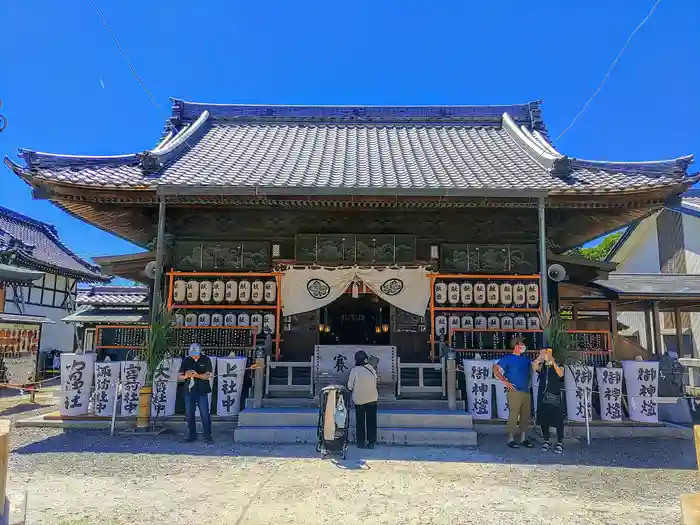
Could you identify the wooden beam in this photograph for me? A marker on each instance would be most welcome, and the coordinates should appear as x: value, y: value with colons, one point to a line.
x: 613, y: 326
x: 656, y: 325
x: 648, y: 326
x: 679, y: 330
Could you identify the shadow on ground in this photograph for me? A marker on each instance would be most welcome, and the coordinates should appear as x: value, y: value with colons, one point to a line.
x: 627, y: 453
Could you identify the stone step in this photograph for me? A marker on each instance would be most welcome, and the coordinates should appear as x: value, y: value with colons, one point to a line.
x: 391, y: 436
x: 388, y: 404
x: 301, y: 417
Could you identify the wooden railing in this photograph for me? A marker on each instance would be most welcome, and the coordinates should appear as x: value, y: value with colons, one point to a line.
x: 289, y: 376
x: 412, y: 378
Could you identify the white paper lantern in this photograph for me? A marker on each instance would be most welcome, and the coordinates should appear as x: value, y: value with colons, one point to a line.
x: 230, y: 319
x: 231, y: 293
x: 191, y: 319
x: 506, y: 322
x: 480, y: 322
x: 257, y: 291
x: 479, y: 293
x: 533, y: 322
x: 192, y: 291
x: 270, y: 291
x: 179, y: 291
x: 440, y: 293
x: 492, y: 294
x: 244, y: 319
x: 440, y: 325
x: 217, y: 320
x: 468, y: 322
x: 454, y: 322
x: 493, y: 322
x: 244, y: 291
x: 520, y: 323
x: 519, y: 294
x: 533, y: 294
x: 269, y: 322
x: 506, y: 294
x: 205, y: 291
x: 204, y: 320
x: 179, y: 320
x: 256, y: 320
x: 467, y: 293
x: 218, y: 291
x: 453, y: 293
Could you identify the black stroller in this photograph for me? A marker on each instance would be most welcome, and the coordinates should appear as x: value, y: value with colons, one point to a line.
x: 333, y: 422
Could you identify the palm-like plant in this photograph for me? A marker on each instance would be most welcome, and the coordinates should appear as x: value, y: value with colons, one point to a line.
x: 556, y: 336
x: 159, y: 340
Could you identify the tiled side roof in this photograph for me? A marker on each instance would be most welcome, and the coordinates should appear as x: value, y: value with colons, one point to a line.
x: 113, y: 296
x: 37, y: 242
x: 305, y: 149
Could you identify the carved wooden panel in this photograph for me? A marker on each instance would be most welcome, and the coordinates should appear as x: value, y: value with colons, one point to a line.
x: 351, y: 249
x: 488, y: 259
x: 223, y: 256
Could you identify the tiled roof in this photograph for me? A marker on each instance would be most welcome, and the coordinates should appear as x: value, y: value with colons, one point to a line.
x: 37, y: 244
x: 652, y: 284
x: 92, y: 314
x: 113, y: 296
x: 354, y: 149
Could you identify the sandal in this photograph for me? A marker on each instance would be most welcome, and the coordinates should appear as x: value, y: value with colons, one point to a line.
x: 526, y: 444
x: 558, y: 448
x: 545, y: 446
x: 513, y: 444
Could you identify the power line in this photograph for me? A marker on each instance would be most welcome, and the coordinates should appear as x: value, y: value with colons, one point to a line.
x: 126, y: 58
x: 605, y: 78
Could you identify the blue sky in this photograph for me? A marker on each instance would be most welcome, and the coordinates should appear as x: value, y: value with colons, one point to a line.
x: 66, y: 89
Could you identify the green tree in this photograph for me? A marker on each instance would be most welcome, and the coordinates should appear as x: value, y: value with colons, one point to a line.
x: 598, y: 252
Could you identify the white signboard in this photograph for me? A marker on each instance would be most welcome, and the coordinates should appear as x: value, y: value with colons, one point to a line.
x: 133, y: 377
x: 76, y: 383
x: 578, y: 383
x: 642, y: 380
x: 502, y: 409
x: 165, y: 388
x: 231, y: 372
x: 479, y: 374
x: 334, y: 362
x: 106, y: 379
x: 610, y: 393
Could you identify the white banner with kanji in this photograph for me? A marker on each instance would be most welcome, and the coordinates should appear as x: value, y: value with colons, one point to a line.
x: 76, y: 383
x: 479, y: 377
x: 230, y: 376
x: 578, y: 383
x: 106, y: 380
x: 165, y: 388
x: 642, y: 380
x: 610, y: 393
x: 133, y: 377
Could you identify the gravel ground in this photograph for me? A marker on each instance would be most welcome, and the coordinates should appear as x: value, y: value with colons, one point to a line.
x: 87, y: 477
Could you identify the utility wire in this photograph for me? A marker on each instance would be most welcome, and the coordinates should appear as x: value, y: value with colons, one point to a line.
x: 605, y: 78
x: 126, y: 58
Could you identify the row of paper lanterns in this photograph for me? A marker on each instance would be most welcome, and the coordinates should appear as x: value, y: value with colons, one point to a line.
x: 481, y: 322
x: 466, y: 293
x: 258, y: 320
x: 219, y: 291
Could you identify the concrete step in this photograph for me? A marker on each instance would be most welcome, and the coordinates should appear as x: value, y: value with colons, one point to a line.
x: 384, y: 404
x: 302, y: 417
x: 390, y: 436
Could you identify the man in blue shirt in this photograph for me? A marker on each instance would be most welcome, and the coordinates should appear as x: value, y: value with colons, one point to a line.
x: 513, y: 370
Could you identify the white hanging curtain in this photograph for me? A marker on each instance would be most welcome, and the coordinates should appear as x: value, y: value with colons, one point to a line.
x: 405, y: 288
x: 308, y: 289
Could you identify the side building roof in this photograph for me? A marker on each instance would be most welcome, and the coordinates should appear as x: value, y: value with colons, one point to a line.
x: 341, y: 150
x: 36, y: 244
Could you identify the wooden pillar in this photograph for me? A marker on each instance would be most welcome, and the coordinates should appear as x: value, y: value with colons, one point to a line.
x: 2, y: 297
x: 4, y: 458
x: 160, y: 256
x: 656, y: 326
x: 679, y: 330
x: 648, y: 329
x: 613, y: 326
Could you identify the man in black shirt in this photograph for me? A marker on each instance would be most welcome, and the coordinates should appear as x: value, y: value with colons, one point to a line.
x: 196, y: 370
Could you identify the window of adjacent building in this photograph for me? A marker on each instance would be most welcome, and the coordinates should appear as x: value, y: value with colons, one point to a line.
x: 52, y: 291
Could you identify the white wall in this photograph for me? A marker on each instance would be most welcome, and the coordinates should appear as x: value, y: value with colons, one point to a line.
x: 691, y: 235
x: 640, y: 254
x: 53, y: 336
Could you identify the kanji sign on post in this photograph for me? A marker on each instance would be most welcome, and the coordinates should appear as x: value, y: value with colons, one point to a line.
x: 106, y: 379
x: 642, y: 380
x: 230, y: 375
x: 76, y: 383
